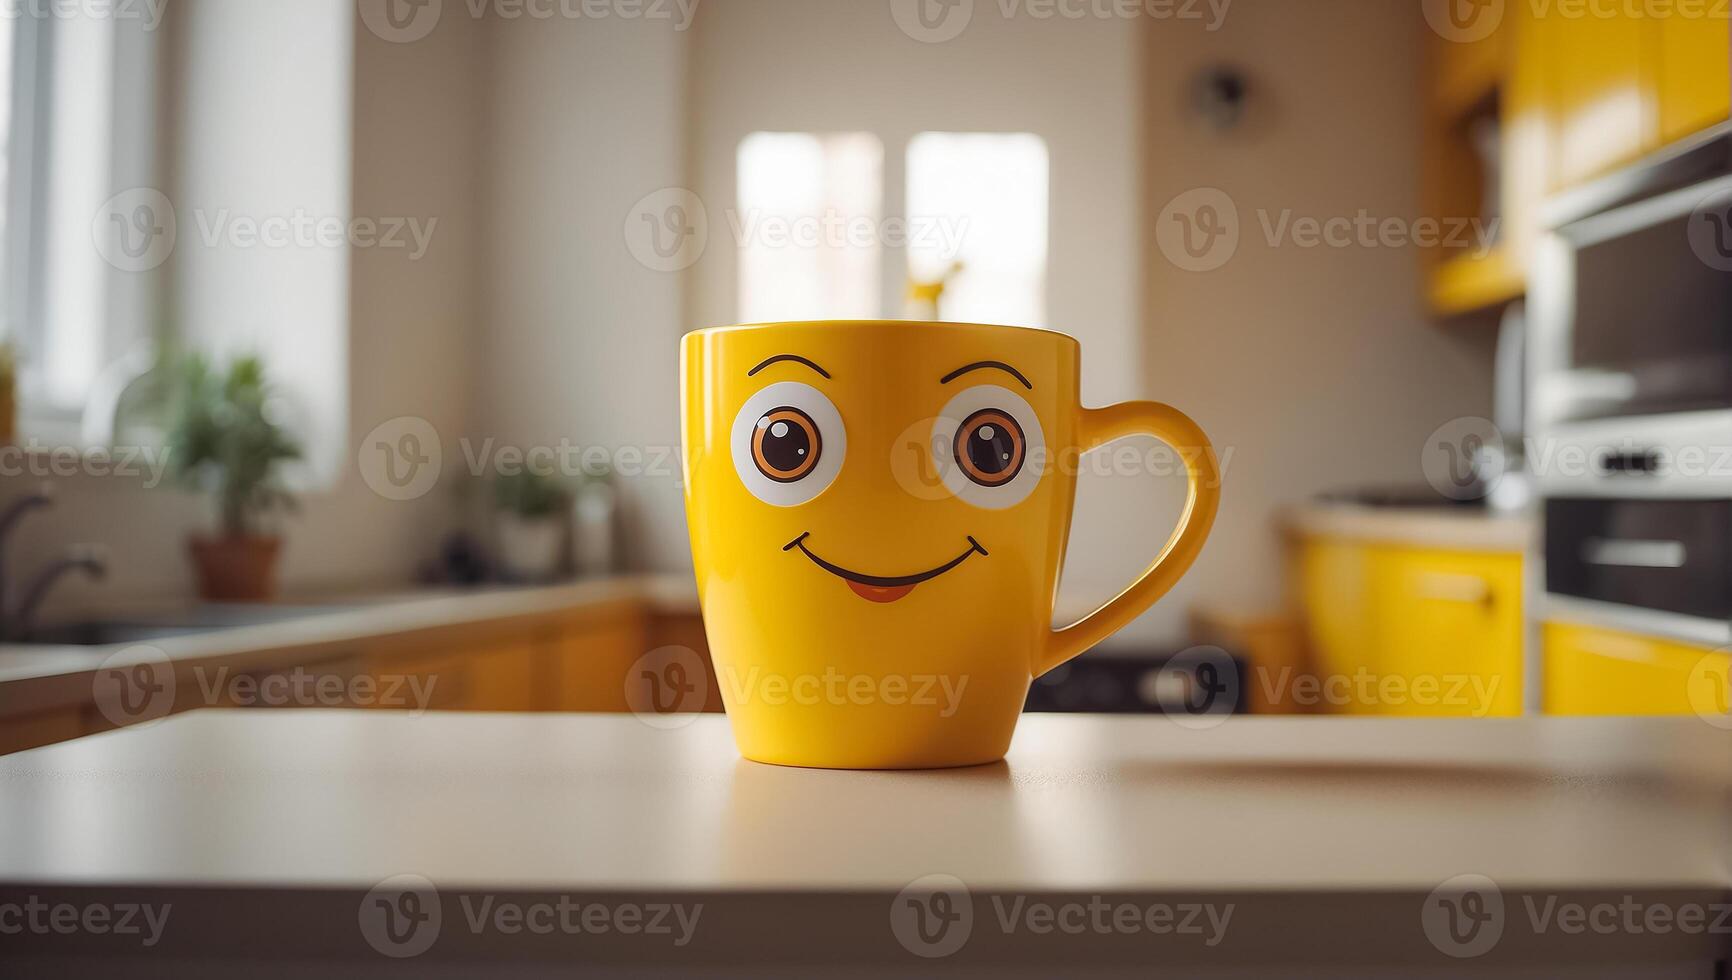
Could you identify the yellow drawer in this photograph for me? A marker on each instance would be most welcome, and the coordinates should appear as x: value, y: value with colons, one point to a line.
x: 1448, y: 628
x: 1593, y: 671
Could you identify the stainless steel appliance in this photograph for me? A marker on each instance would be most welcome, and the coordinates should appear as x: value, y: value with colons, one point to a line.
x: 1630, y: 398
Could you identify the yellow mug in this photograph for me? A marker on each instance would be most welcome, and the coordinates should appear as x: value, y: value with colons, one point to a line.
x: 878, y: 511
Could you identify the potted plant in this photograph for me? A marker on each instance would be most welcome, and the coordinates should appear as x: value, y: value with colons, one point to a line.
x: 222, y: 439
x: 531, y: 510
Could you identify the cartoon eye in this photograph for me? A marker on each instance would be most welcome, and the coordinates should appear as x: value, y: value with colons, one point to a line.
x: 788, y: 443
x: 994, y: 444
x: 990, y: 447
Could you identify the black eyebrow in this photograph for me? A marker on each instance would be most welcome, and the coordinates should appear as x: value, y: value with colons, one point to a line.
x: 797, y: 359
x: 977, y: 365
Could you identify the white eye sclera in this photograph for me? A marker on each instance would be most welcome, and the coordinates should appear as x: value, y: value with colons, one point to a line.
x: 788, y: 443
x: 989, y: 446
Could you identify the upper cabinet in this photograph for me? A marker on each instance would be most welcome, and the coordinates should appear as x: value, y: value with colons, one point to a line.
x: 1558, y: 94
x: 1695, y: 74
x: 1599, y: 91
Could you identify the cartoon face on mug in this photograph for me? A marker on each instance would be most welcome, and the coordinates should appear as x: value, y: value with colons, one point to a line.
x: 964, y: 447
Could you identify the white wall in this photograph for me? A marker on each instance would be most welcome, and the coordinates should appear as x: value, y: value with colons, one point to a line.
x: 577, y: 341
x: 1316, y: 367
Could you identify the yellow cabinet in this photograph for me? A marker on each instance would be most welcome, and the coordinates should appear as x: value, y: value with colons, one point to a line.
x: 1599, y: 88
x: 1399, y: 630
x: 1593, y: 671
x: 1695, y: 73
x: 1335, y: 594
x: 1448, y: 633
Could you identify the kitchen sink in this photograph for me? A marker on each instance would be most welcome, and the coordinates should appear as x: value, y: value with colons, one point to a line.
x: 199, y: 619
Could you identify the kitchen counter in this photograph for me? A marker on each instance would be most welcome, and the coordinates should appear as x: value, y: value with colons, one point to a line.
x: 1319, y: 839
x: 1449, y: 528
x: 34, y: 677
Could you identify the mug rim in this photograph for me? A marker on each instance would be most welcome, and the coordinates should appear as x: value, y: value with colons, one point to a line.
x: 925, y: 324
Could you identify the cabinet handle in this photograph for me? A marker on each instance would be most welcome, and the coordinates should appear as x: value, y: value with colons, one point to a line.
x: 1444, y: 587
x: 1628, y: 649
x: 1634, y: 553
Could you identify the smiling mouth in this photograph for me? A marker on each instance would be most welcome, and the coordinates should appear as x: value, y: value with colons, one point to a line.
x: 882, y: 588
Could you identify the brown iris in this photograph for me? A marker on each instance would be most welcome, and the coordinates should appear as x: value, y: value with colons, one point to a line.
x: 786, y: 444
x: 990, y: 447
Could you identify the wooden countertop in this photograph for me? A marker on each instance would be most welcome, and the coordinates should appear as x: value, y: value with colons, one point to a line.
x: 1342, y: 826
x: 1449, y: 528
x: 38, y: 677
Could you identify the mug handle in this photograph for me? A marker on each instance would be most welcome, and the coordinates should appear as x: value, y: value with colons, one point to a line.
x: 1100, y: 426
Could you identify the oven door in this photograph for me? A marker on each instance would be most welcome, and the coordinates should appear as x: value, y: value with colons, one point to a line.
x: 1636, y: 304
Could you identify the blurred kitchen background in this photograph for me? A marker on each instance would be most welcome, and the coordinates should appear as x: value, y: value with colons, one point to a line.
x: 363, y: 319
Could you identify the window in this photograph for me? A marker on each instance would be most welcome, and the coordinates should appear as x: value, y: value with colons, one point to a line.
x: 808, y: 226
x: 60, y: 78
x: 813, y: 229
x: 981, y: 199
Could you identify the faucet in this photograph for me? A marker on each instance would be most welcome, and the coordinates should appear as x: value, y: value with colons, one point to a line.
x: 16, y: 623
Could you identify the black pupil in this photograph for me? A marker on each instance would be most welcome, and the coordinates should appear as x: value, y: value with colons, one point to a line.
x: 991, y: 448
x: 786, y: 446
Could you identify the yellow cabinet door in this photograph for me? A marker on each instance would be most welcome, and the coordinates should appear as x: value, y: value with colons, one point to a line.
x: 1695, y: 73
x: 1335, y: 593
x: 1448, y: 627
x: 1600, y: 89
x: 1593, y: 671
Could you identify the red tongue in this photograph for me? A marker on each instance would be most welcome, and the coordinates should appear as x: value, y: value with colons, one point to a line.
x: 876, y: 594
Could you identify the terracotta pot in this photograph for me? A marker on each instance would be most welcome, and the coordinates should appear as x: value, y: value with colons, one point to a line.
x: 235, y: 569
